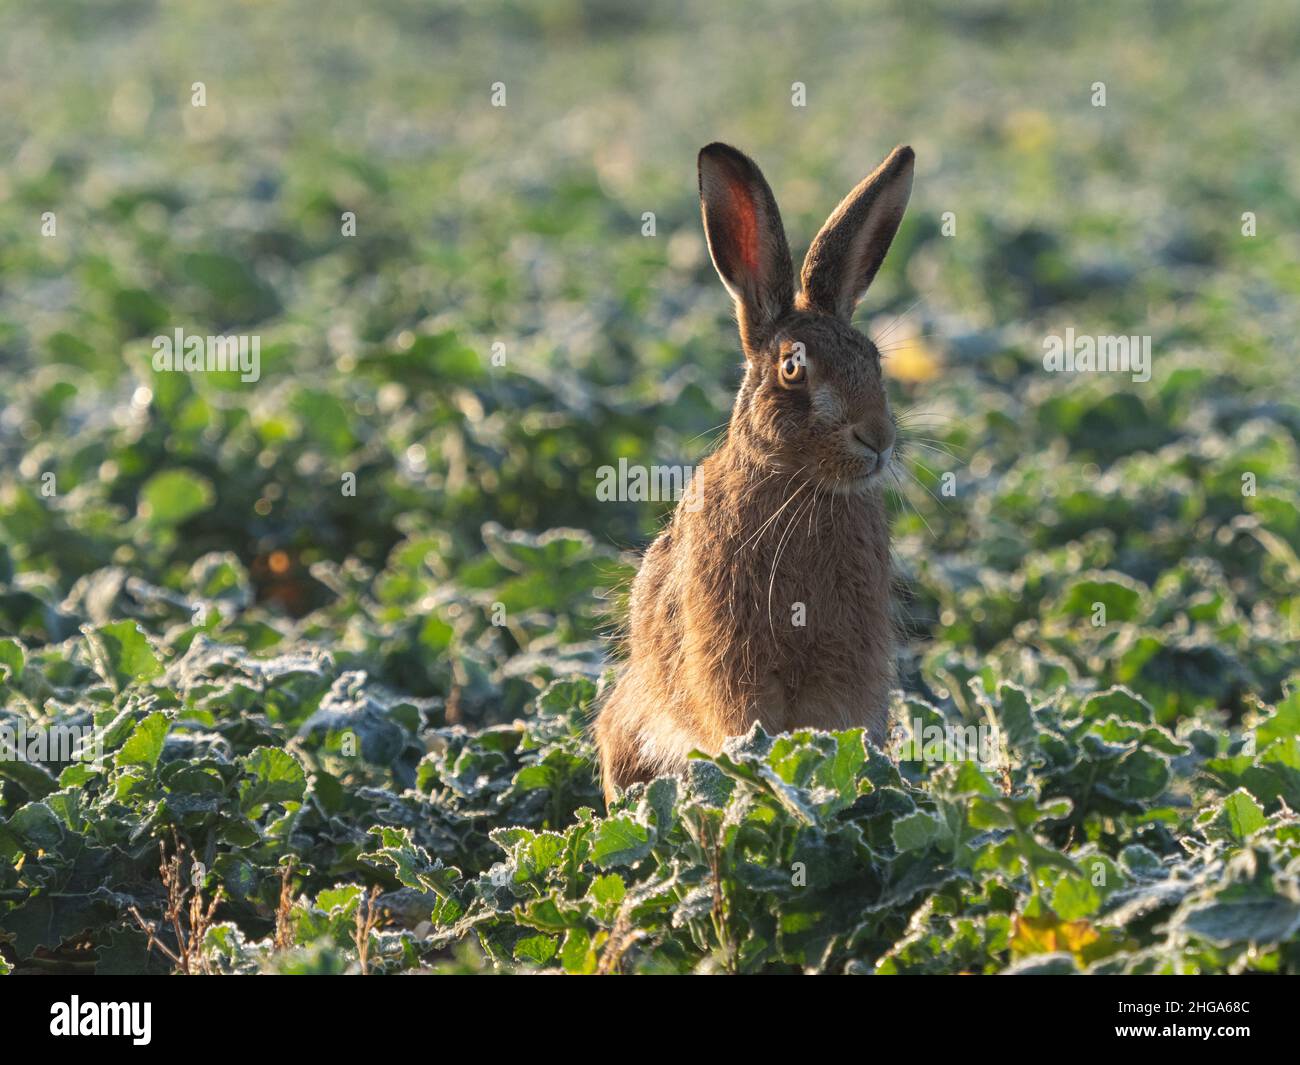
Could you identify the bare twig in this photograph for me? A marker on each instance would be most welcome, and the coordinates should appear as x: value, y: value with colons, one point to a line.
x: 621, y: 937
x: 183, y: 910
x: 367, y: 918
x: 283, y: 938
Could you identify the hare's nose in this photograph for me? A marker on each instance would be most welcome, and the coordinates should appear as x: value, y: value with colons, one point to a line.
x: 869, y: 450
x: 875, y: 455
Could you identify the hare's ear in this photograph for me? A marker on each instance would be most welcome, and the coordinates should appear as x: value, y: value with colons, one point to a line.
x: 848, y: 251
x: 746, y: 239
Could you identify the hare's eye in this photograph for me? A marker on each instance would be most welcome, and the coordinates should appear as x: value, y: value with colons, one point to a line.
x: 792, y: 370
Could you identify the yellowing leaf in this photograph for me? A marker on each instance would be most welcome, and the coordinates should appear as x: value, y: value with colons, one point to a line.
x: 1048, y: 934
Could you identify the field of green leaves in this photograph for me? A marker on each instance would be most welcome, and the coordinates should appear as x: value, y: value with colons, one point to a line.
x: 335, y: 635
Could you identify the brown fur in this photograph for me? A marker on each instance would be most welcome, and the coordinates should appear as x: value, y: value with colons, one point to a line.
x: 789, y: 510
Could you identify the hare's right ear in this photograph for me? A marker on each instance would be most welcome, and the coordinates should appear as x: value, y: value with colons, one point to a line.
x: 848, y: 251
x: 746, y: 240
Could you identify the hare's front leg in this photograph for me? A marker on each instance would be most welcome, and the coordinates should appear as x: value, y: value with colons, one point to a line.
x: 768, y: 707
x: 728, y: 703
x: 617, y: 740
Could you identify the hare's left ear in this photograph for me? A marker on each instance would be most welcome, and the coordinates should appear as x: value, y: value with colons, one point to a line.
x: 848, y: 251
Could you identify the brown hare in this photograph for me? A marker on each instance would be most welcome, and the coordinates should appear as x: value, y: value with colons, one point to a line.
x: 767, y: 597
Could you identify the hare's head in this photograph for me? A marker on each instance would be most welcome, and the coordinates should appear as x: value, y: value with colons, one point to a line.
x: 813, y: 399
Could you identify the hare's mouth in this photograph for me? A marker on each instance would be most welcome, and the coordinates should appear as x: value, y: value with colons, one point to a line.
x: 857, y: 484
x: 863, y: 471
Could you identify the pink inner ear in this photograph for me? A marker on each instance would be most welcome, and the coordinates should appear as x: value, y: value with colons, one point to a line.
x: 744, y: 218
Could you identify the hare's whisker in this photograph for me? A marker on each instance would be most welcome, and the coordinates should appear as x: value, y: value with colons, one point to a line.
x: 910, y: 425
x: 930, y: 447
x: 776, y: 561
x: 813, y: 511
x: 894, y: 324
x: 938, y: 502
x: 707, y: 431
x: 918, y: 412
x: 776, y: 515
x: 913, y: 417
x: 930, y: 439
x: 908, y: 436
x: 902, y: 342
x: 901, y: 493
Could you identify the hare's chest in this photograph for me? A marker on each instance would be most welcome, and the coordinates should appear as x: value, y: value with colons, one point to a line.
x: 789, y: 596
x: 839, y: 666
x: 842, y: 590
